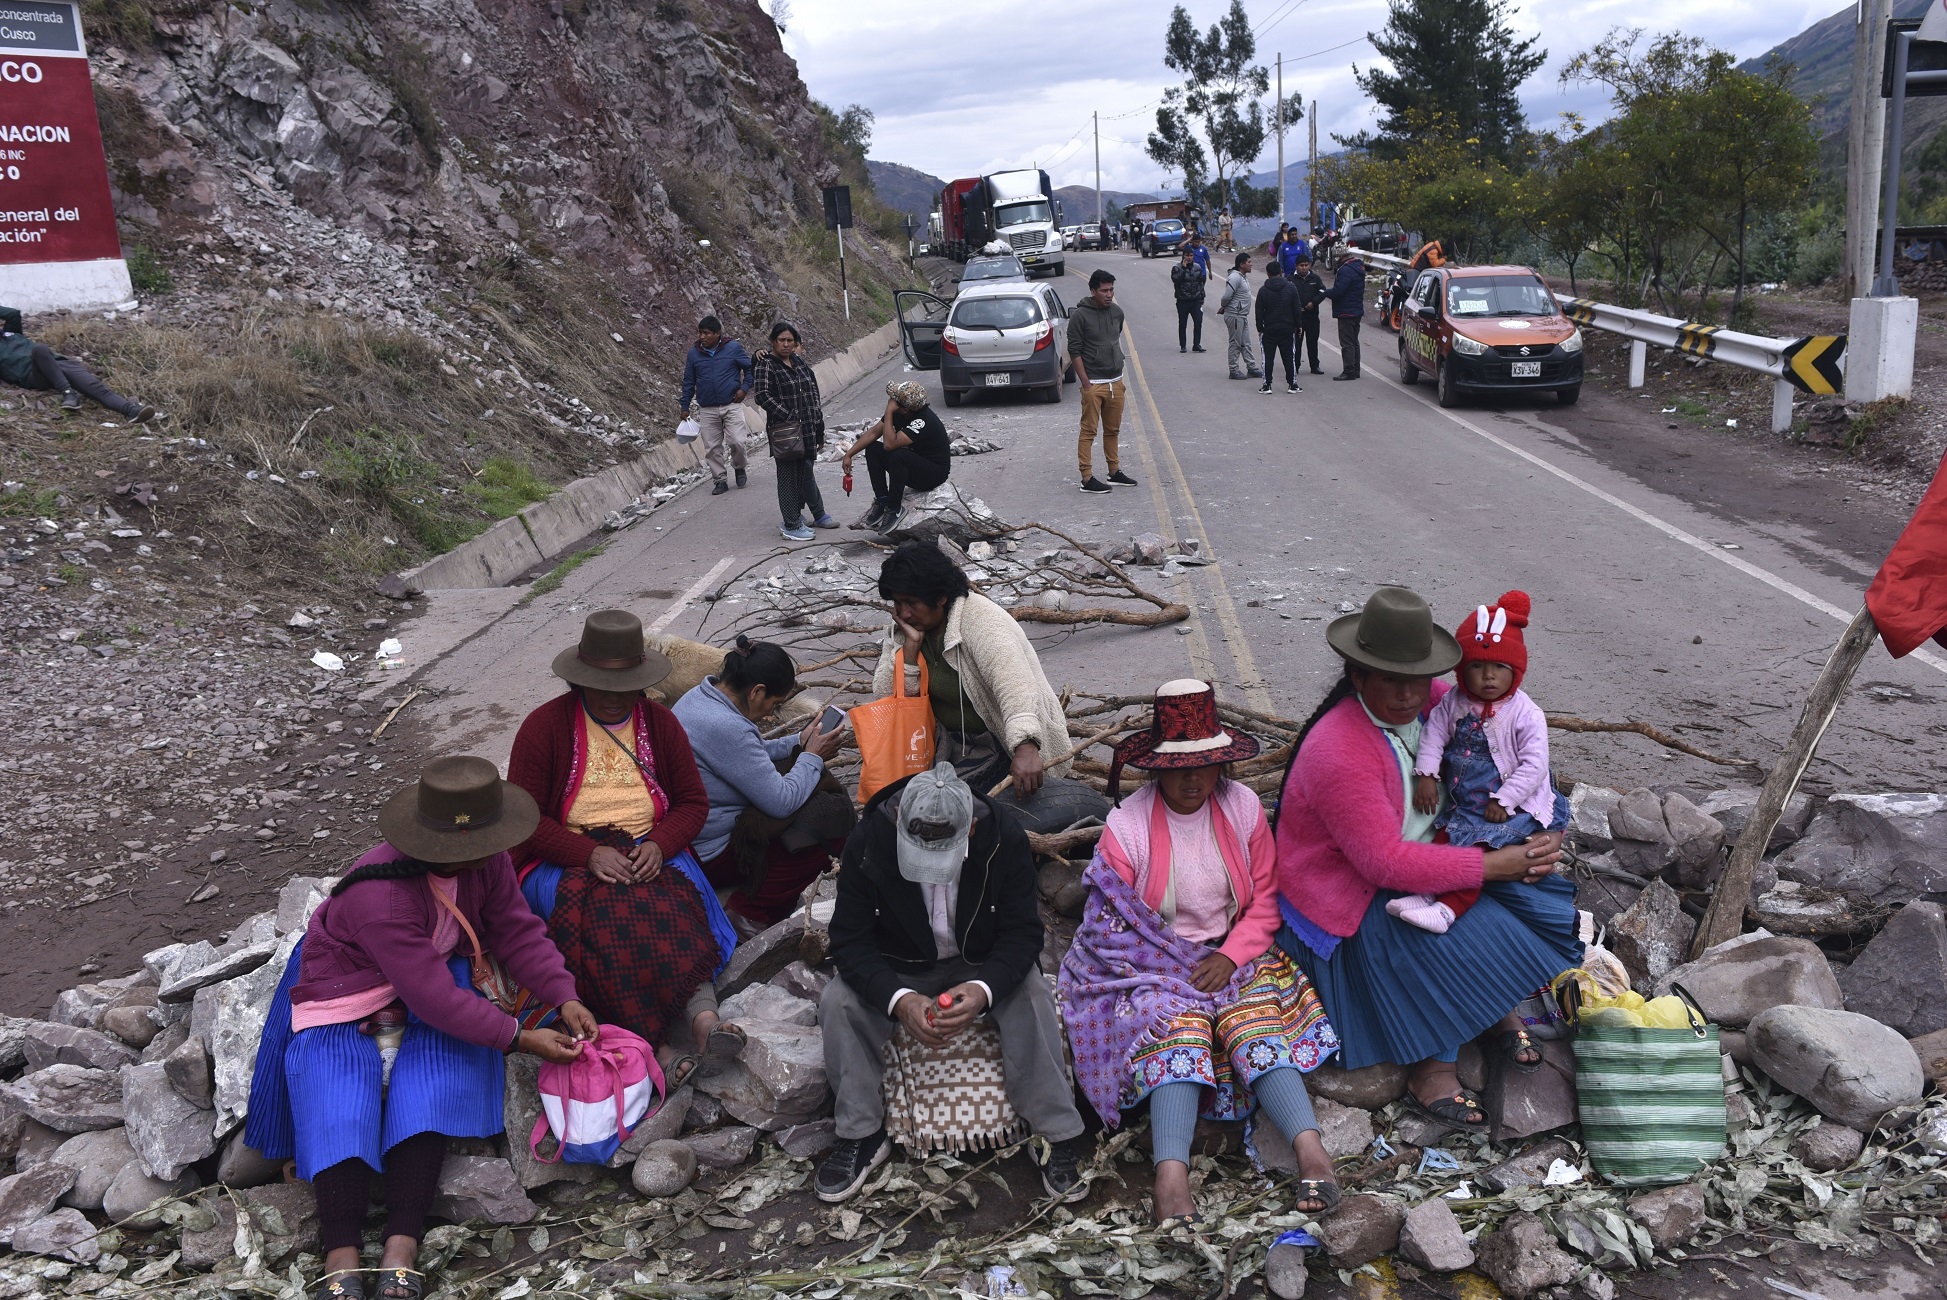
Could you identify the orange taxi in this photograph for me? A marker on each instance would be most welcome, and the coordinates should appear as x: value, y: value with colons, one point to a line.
x: 1488, y: 329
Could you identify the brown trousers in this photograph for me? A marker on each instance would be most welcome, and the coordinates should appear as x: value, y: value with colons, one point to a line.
x: 1101, y: 404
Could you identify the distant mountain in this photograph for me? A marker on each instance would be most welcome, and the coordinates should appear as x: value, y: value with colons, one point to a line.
x: 1821, y: 57
x: 1078, y: 202
x: 904, y: 189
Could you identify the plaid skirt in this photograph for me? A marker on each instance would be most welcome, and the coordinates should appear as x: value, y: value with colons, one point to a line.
x: 1276, y: 1023
x: 637, y: 951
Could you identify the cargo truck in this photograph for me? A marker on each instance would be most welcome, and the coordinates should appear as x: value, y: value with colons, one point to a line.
x: 954, y: 242
x: 1019, y: 209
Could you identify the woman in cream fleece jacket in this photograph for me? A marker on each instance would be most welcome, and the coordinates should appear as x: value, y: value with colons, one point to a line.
x: 996, y: 713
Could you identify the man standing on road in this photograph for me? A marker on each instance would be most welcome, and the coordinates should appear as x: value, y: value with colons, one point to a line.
x: 1277, y: 322
x: 1235, y: 307
x: 1202, y: 254
x: 1189, y: 280
x: 1348, y: 295
x: 1311, y: 292
x: 1288, y: 253
x: 716, y: 375
x: 1095, y: 348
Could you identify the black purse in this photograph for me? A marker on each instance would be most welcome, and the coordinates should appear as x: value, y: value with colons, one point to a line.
x: 787, y: 441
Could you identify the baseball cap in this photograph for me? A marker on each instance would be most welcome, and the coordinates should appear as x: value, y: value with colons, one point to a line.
x: 935, y: 816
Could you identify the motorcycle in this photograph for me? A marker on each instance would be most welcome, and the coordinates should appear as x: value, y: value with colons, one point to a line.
x: 1392, y: 299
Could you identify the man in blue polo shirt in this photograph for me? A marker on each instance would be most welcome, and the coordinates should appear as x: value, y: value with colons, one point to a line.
x: 716, y: 376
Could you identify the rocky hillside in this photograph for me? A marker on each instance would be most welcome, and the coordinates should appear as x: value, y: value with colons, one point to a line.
x: 406, y: 264
x: 905, y: 189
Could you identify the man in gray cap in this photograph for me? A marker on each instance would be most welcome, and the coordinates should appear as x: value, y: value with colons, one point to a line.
x: 936, y: 925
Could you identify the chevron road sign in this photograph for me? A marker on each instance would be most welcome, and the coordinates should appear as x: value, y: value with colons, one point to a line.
x: 1812, y: 364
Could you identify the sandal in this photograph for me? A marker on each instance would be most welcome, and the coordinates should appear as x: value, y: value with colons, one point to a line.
x: 1513, y: 1042
x: 345, y: 1284
x: 1323, y: 1190
x: 726, y: 1044
x: 1450, y: 1111
x: 678, y: 1072
x: 401, y: 1284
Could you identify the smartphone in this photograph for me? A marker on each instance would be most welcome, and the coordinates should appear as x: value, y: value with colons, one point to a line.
x: 832, y: 719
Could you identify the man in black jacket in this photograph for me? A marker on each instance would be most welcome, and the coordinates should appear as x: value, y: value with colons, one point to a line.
x: 1348, y: 295
x: 1189, y: 279
x: 1311, y: 292
x: 936, y: 925
x: 1277, y: 324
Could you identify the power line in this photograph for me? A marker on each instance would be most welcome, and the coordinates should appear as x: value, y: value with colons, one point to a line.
x: 1318, y: 53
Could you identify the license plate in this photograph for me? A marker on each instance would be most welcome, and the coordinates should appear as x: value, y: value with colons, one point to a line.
x: 1001, y: 380
x: 1030, y: 259
x: 1527, y: 370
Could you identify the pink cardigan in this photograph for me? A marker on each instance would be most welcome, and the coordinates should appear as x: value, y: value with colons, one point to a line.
x: 1338, y: 827
x: 1142, y: 858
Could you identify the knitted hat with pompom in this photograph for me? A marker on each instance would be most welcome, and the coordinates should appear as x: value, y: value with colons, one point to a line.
x: 1492, y: 634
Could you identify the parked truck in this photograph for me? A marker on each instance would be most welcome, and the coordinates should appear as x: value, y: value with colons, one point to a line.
x: 1018, y: 209
x: 952, y: 214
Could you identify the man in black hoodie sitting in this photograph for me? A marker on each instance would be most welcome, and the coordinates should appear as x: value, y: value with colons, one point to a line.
x: 935, y: 926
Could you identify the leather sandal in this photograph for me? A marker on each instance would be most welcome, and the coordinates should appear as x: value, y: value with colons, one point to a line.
x: 676, y: 1073
x: 401, y: 1284
x: 1513, y: 1042
x: 726, y: 1043
x: 345, y: 1284
x: 1323, y: 1190
x: 1450, y: 1111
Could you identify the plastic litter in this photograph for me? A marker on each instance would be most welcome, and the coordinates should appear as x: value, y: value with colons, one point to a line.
x: 1560, y: 1174
x: 1461, y: 1192
x: 328, y: 661
x: 391, y: 648
x: 1435, y: 1161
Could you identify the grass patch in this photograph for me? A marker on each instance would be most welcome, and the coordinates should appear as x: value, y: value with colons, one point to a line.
x: 146, y: 271
x: 1872, y: 419
x: 553, y: 578
x: 30, y: 503
x: 504, y: 487
x: 1691, y: 409
x: 71, y: 573
x: 126, y: 22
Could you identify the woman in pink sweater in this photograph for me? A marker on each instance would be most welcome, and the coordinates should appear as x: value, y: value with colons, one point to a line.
x: 1173, y: 990
x: 1350, y: 840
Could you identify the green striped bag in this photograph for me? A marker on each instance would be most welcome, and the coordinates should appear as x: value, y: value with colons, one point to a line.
x: 1651, y: 1100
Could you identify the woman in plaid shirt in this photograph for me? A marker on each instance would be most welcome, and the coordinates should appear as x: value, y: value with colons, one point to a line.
x: 785, y: 388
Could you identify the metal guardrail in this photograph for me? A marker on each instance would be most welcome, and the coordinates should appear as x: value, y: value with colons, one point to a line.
x: 1813, y: 365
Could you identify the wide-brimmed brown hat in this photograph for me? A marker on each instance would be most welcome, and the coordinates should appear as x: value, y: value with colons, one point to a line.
x: 1395, y: 633
x: 1186, y: 733
x: 458, y: 810
x: 611, y: 655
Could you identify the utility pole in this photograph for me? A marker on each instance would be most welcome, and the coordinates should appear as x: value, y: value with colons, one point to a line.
x: 1865, y: 143
x: 1096, y: 117
x: 1311, y: 172
x: 1281, y: 184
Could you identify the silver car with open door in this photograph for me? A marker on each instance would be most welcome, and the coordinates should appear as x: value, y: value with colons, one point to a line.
x: 991, y: 337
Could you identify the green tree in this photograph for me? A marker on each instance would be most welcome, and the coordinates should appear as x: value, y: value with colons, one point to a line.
x: 1212, y: 127
x: 1456, y: 60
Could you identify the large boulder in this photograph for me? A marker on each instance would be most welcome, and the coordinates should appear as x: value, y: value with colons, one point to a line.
x: 1362, y: 1229
x: 286, y: 1214
x: 664, y: 1169
x: 1522, y: 1103
x: 230, y: 1018
x: 130, y: 1199
x: 1604, y: 897
x: 758, y: 958
x: 1699, y: 838
x: 1787, y: 907
x: 1901, y: 977
x: 1589, y: 807
x: 1733, y: 809
x: 67, y: 1098
x: 1849, y: 1066
x: 788, y: 1063
x: 97, y: 1158
x: 1370, y: 1087
x: 1884, y: 848
x: 944, y: 512
x: 1642, y: 838
x: 168, y: 1134
x: 1652, y: 938
x: 26, y: 1197
x: 48, y: 1044
x: 65, y: 1233
x: 1737, y: 979
x: 768, y: 1002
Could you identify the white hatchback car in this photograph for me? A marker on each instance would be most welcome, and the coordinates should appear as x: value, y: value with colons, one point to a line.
x: 995, y: 335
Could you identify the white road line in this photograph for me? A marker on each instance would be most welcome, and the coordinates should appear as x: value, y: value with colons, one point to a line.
x: 1663, y: 526
x: 697, y: 588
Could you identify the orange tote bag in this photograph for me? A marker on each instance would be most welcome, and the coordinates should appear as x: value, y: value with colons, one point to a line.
x: 895, y: 734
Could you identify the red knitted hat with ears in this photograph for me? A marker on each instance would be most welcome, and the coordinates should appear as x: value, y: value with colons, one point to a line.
x: 1492, y: 634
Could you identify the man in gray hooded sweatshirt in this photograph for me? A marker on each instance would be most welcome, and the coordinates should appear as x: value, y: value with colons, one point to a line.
x: 1235, y: 306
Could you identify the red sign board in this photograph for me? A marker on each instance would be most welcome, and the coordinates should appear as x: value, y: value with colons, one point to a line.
x: 54, y: 202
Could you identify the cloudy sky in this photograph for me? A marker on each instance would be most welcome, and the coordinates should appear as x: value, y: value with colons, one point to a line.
x: 956, y: 97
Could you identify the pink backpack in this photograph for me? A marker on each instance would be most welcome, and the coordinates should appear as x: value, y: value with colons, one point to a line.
x: 593, y: 1103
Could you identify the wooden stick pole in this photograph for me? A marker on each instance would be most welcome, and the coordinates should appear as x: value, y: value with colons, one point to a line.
x: 1724, y: 919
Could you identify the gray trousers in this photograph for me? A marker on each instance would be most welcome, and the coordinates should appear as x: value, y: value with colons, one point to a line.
x: 52, y: 370
x: 1240, y: 346
x: 1032, y: 1058
x: 719, y: 426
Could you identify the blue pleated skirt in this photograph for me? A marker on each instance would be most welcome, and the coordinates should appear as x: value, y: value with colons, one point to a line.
x: 1398, y: 993
x: 317, y: 1095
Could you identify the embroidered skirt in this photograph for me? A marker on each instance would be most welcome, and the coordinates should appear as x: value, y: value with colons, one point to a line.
x: 1399, y: 993
x: 1276, y: 1023
x: 317, y: 1094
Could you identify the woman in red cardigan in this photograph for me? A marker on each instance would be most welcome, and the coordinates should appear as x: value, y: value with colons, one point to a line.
x: 610, y: 866
x: 1349, y: 840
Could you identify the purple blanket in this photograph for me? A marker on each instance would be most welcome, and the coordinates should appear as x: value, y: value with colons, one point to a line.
x: 1125, y: 978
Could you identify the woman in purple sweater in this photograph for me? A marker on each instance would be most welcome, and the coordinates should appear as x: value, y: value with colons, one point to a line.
x: 1350, y: 840
x: 377, y: 1048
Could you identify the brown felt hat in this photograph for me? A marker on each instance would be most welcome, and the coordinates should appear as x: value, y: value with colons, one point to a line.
x: 611, y: 655
x: 1395, y: 633
x: 458, y: 810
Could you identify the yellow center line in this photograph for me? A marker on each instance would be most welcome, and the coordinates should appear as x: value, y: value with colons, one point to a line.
x: 1201, y: 662
x: 1255, y: 691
